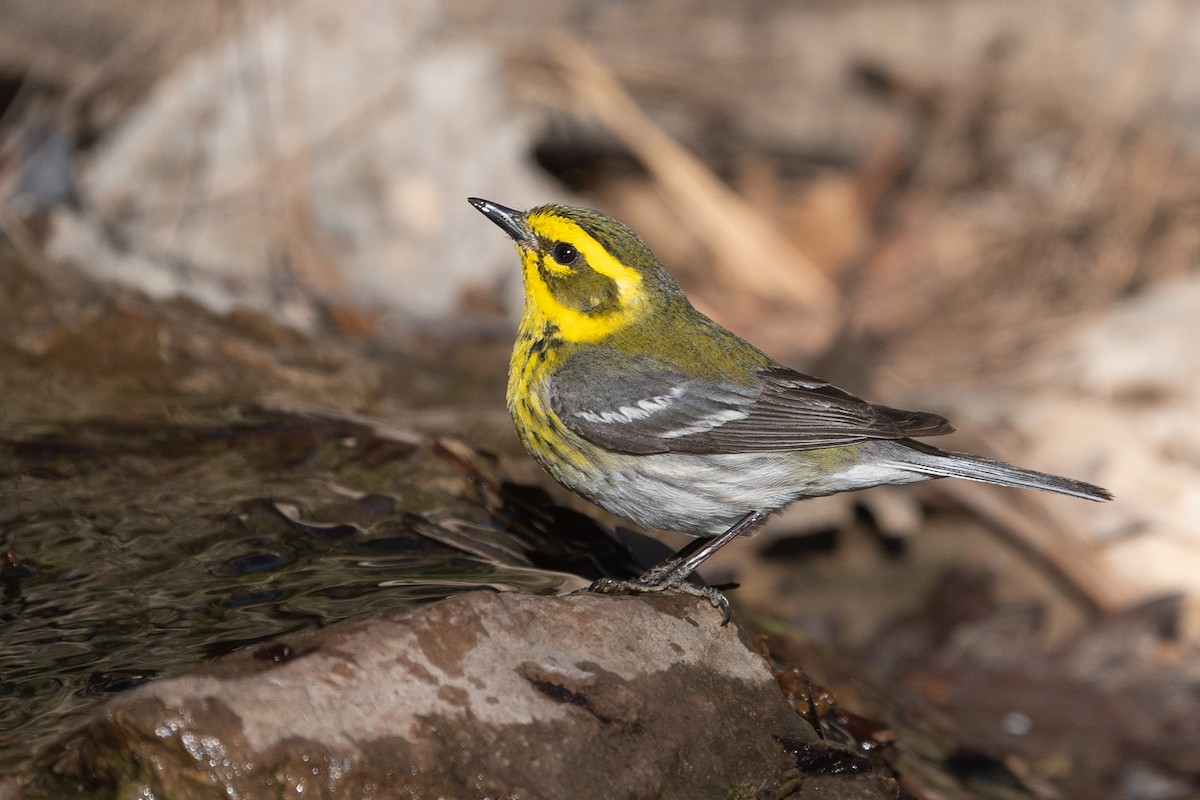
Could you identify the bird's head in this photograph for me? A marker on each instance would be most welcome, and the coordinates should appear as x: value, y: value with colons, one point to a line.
x: 585, y: 273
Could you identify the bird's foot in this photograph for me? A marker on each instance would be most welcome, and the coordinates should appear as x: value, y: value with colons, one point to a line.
x: 650, y: 582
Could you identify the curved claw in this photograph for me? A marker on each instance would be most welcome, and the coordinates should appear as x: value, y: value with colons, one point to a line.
x: 722, y: 602
x: 673, y: 573
x: 609, y: 586
x: 642, y: 586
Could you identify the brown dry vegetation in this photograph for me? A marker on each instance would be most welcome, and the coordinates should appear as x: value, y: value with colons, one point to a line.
x: 932, y: 204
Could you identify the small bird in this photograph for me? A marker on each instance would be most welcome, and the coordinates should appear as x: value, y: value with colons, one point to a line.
x: 633, y: 399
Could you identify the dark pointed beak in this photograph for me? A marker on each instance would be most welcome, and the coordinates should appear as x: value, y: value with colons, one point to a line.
x: 510, y: 220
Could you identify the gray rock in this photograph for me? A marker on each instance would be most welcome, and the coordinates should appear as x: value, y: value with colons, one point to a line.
x: 481, y: 695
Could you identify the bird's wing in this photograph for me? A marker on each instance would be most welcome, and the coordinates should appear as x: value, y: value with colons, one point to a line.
x: 639, y: 405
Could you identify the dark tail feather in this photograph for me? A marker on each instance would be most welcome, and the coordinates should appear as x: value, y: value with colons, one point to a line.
x: 947, y: 464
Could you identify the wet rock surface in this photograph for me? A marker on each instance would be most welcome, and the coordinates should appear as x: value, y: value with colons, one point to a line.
x: 481, y: 695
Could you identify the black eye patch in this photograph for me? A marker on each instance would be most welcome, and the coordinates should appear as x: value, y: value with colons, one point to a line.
x: 564, y: 254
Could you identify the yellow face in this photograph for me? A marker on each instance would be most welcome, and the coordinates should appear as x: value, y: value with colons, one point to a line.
x: 573, y: 281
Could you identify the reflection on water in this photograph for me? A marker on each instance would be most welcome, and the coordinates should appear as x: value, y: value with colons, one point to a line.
x: 135, y: 552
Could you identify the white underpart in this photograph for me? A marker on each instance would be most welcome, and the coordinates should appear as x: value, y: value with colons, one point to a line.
x: 703, y: 495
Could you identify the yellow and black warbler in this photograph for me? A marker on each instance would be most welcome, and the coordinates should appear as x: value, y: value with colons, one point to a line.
x: 631, y: 398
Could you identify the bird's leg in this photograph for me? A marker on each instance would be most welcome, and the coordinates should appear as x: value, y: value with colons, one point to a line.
x: 674, y: 570
x: 673, y: 573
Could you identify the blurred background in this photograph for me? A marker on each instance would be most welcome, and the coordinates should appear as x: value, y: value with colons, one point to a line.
x: 986, y: 209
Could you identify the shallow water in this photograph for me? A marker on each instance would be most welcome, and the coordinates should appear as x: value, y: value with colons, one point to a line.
x: 135, y: 551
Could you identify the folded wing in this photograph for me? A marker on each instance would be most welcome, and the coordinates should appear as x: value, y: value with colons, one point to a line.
x: 642, y: 406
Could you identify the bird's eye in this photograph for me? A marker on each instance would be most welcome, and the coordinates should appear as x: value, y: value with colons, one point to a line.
x: 565, y: 254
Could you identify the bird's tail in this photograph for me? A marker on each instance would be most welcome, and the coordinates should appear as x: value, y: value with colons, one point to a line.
x: 947, y: 464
